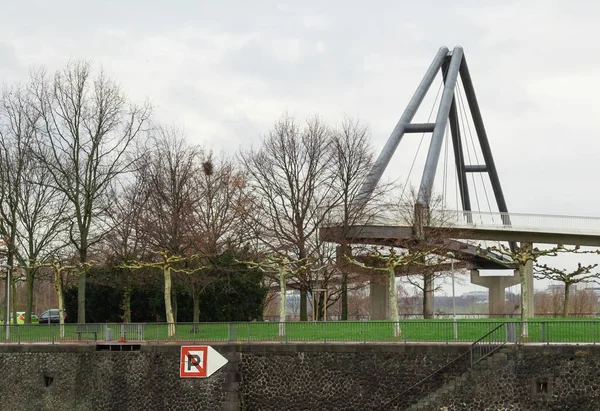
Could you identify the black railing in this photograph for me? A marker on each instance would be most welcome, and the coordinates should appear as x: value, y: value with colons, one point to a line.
x: 488, y: 344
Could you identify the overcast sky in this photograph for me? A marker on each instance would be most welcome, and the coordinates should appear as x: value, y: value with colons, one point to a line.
x: 227, y: 70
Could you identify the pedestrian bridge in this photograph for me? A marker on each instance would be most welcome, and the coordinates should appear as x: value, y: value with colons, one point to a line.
x: 472, y: 225
x: 534, y: 228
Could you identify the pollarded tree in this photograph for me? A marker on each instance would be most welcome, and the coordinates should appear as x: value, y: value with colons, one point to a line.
x: 167, y: 264
x: 391, y: 263
x: 522, y: 256
x: 87, y: 126
x: 582, y: 274
x: 61, y: 267
x: 282, y: 268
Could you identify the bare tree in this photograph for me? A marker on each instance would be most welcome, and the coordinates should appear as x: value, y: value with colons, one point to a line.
x: 290, y: 177
x: 32, y: 211
x: 220, y: 207
x: 352, y: 161
x: 218, y: 215
x: 582, y: 274
x: 168, y: 174
x: 126, y: 241
x: 87, y: 128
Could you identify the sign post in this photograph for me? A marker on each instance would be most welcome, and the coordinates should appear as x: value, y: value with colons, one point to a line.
x: 199, y: 361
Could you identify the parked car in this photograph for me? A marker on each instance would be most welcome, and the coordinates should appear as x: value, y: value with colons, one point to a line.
x: 51, y: 316
x: 21, y: 318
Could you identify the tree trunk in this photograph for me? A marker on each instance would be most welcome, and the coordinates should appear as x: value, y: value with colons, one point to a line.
x: 428, y: 296
x: 393, y: 298
x: 13, y: 298
x: 303, y: 305
x: 59, y: 297
x: 7, y: 301
x: 174, y: 303
x: 566, y: 301
x: 344, y: 296
x: 321, y: 306
x: 29, y: 294
x: 168, y: 305
x: 127, y: 305
x: 524, y: 305
x: 196, y: 306
x: 81, y: 287
x: 282, y: 301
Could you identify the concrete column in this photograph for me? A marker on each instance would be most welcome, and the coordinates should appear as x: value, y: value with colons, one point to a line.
x: 379, y: 299
x: 496, y: 286
x: 429, y: 287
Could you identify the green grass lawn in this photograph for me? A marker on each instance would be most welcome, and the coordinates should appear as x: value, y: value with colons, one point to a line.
x: 468, y: 330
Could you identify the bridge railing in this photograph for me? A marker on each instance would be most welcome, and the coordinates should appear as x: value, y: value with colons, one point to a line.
x: 392, y: 214
x: 523, y: 222
x: 411, y: 331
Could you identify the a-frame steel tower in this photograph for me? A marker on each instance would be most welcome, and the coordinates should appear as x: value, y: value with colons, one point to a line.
x: 453, y: 66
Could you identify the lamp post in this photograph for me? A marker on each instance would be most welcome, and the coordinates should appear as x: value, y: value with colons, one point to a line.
x: 454, y: 325
x: 8, y: 268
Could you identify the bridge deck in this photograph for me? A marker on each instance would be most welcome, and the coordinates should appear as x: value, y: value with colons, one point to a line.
x: 398, y: 236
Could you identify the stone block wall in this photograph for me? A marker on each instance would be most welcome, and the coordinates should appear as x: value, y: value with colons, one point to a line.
x: 339, y: 377
x: 258, y: 377
x: 531, y: 377
x: 297, y: 377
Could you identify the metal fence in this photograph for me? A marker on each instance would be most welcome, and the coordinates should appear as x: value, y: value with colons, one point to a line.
x: 441, y: 315
x: 432, y: 331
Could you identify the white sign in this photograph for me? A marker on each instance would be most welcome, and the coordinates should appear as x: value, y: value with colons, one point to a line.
x: 199, y: 361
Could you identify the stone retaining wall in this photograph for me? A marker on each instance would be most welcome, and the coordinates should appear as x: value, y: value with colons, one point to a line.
x: 531, y: 377
x: 295, y: 377
x: 258, y: 377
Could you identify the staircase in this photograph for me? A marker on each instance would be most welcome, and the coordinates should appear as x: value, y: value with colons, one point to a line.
x: 427, y: 403
x: 490, y: 347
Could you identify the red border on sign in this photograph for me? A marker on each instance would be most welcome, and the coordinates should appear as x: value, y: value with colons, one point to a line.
x: 185, y: 352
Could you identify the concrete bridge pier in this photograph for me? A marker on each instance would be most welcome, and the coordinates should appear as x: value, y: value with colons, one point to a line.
x: 496, y: 286
x: 379, y: 299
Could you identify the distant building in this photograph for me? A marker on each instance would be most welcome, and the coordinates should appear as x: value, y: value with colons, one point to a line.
x: 479, y: 295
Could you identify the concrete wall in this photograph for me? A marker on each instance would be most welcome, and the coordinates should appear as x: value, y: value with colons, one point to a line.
x: 295, y: 377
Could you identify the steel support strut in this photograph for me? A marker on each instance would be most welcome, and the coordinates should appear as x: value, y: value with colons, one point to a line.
x: 435, y: 147
x: 390, y: 147
x: 483, y: 139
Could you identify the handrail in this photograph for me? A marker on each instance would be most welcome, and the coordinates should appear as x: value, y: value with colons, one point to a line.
x: 487, y: 353
x: 436, y: 372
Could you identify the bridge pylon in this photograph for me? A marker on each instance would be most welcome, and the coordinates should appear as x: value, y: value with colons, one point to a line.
x: 454, y: 68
